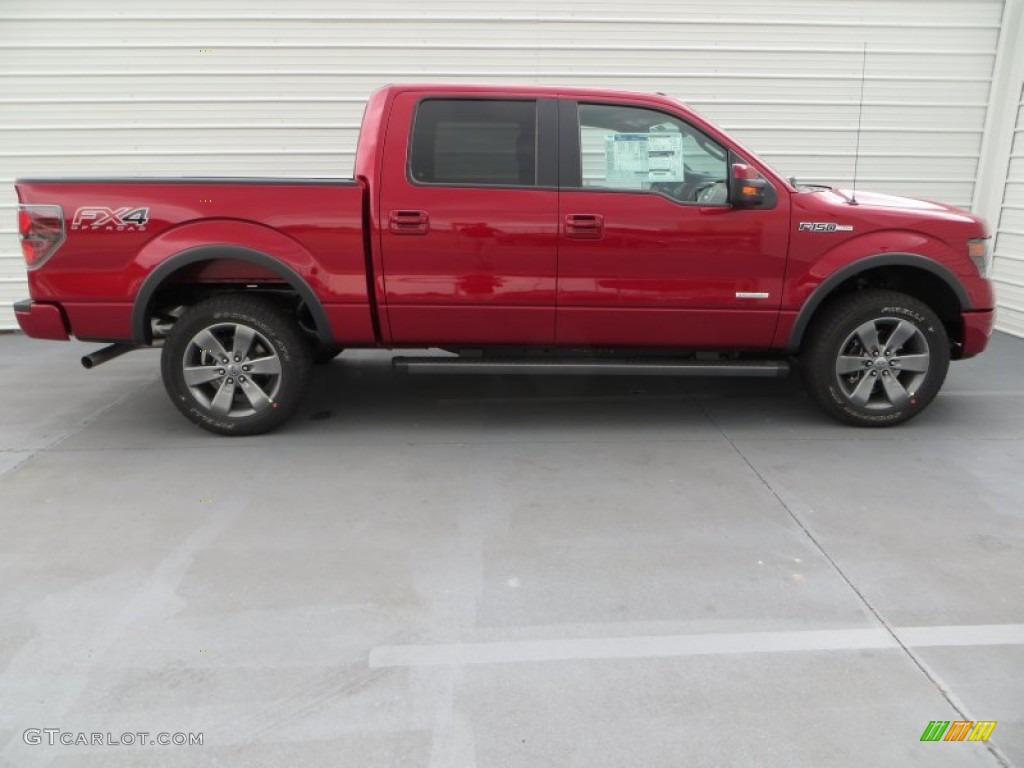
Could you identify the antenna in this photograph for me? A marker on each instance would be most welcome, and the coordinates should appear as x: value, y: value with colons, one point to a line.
x: 860, y: 116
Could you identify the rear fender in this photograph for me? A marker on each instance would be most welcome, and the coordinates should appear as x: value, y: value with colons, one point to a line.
x: 224, y: 239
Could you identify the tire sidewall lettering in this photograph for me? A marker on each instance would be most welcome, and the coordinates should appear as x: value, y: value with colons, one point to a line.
x: 279, y: 329
x: 834, y: 328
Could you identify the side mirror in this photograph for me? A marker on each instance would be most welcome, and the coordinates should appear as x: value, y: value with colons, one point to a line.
x: 746, y: 187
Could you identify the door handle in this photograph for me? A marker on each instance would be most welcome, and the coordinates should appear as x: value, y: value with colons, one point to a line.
x: 586, y: 226
x: 409, y: 222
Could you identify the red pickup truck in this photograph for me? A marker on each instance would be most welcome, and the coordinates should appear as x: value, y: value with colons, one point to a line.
x: 522, y: 229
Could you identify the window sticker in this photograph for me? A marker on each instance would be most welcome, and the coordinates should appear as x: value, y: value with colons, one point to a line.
x: 633, y: 159
x: 665, y: 157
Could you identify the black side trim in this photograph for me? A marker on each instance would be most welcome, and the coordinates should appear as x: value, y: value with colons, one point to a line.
x: 570, y: 176
x: 547, y: 143
x: 880, y: 260
x: 141, y: 331
x: 24, y: 306
x: 774, y: 369
x: 371, y: 288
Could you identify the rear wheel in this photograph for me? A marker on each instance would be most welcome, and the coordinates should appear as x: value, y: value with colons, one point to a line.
x: 875, y: 358
x: 236, y: 365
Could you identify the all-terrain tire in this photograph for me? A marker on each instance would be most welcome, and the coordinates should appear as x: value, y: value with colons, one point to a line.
x: 875, y: 358
x: 236, y: 365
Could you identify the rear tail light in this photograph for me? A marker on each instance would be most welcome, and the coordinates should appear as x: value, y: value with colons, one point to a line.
x: 42, y: 231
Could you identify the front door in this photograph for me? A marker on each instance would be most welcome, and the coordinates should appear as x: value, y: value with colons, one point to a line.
x: 650, y: 251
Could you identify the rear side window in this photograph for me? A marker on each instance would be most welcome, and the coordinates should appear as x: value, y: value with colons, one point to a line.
x: 475, y: 142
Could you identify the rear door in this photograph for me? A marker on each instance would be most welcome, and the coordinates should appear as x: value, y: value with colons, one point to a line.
x: 651, y: 253
x: 469, y: 209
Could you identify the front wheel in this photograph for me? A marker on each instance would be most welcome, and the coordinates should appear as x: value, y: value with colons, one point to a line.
x: 875, y: 358
x: 236, y: 365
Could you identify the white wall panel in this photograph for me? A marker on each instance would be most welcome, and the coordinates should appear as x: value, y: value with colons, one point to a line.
x: 255, y: 87
x: 1008, y: 269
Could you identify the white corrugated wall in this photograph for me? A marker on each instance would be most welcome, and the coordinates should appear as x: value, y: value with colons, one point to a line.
x: 257, y: 87
x: 1009, y: 246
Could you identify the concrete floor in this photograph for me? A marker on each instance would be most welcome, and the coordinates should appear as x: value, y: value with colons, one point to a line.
x: 461, y: 571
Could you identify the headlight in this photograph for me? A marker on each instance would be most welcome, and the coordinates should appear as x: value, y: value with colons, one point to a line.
x: 980, y: 251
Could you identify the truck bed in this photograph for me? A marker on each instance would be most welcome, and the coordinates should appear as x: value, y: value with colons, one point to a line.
x: 313, y: 225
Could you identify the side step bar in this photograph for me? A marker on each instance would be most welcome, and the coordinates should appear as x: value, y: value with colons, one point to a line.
x: 769, y: 369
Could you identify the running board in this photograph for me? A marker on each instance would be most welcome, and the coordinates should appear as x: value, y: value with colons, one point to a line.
x: 767, y: 369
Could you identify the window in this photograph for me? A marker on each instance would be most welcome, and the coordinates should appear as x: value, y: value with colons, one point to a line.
x: 475, y: 142
x: 643, y: 150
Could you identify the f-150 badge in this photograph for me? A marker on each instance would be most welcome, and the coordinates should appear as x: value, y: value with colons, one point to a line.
x: 824, y: 226
x: 100, y: 219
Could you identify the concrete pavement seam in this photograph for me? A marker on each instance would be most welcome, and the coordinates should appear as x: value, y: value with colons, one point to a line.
x: 933, y: 678
x: 33, y: 452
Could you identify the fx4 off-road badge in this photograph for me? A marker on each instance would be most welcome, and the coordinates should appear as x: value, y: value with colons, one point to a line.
x: 823, y: 226
x: 99, y: 219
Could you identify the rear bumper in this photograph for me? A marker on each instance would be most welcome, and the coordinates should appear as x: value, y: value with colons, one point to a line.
x: 977, y: 331
x: 41, y: 321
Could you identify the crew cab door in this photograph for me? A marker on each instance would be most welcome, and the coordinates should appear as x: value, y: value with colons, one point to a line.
x: 469, y: 219
x: 651, y: 253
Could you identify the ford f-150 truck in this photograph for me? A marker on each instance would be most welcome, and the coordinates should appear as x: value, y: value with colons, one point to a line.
x: 522, y: 229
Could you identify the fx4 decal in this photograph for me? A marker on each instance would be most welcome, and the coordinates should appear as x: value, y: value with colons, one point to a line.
x: 823, y: 226
x: 94, y: 218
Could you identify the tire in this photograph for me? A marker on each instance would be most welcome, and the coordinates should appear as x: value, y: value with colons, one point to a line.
x: 247, y: 396
x: 844, y: 376
x: 323, y: 355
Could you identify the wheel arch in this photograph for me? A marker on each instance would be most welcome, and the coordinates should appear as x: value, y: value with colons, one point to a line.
x: 161, y: 275
x: 917, y: 276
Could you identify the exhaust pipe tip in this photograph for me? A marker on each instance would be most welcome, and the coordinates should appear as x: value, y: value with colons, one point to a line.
x: 105, y: 354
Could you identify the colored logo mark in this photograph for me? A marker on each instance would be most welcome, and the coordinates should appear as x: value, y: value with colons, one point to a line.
x: 958, y: 730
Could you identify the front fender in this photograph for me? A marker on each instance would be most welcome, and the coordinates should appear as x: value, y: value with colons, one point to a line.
x: 793, y: 334
x: 905, y: 247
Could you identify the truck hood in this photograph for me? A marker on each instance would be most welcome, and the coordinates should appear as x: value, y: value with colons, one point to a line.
x: 882, y: 200
x: 894, y: 205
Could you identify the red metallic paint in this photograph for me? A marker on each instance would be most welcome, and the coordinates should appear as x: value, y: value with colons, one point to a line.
x: 472, y: 276
x: 42, y: 321
x: 496, y: 266
x: 881, y: 224
x: 103, y: 320
x: 369, y: 158
x: 660, y: 264
x: 316, y: 229
x: 977, y: 331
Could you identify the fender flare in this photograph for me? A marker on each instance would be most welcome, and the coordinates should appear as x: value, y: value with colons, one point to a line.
x: 141, y: 331
x: 818, y: 296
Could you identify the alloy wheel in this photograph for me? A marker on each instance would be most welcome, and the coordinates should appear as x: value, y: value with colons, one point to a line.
x: 883, y: 363
x: 232, y: 369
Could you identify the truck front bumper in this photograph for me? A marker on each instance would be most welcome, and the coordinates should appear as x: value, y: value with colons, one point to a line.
x: 977, y: 331
x: 41, y: 321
